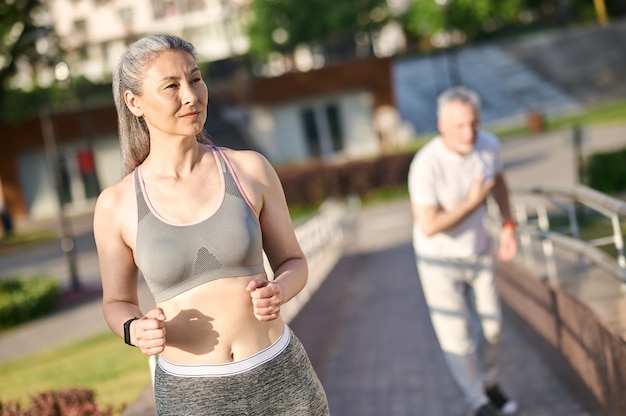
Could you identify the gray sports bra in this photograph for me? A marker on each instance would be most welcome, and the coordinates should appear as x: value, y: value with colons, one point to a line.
x: 175, y: 258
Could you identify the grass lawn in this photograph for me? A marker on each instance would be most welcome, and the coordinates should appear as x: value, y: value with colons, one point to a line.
x: 23, y: 239
x: 116, y: 372
x: 614, y: 112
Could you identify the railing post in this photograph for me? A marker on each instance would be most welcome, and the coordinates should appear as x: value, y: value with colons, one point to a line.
x: 548, y: 247
x: 618, y: 240
x: 578, y: 139
x: 521, y: 216
x: 586, y: 251
x: 573, y: 226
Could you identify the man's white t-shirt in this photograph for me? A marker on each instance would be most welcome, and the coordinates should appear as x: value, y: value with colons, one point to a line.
x: 438, y: 176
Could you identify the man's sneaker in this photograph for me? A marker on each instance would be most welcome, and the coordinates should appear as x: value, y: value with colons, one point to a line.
x: 501, y: 402
x: 486, y: 410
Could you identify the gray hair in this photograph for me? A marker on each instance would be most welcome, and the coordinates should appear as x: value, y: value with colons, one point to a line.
x: 128, y: 76
x: 462, y: 94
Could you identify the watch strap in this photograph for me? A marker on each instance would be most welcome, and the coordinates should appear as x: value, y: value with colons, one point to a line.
x: 127, y: 331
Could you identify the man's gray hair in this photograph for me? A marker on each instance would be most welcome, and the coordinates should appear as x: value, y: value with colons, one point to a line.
x: 462, y: 94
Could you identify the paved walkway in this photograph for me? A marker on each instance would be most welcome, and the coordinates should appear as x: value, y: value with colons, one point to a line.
x: 366, y: 327
x: 369, y: 336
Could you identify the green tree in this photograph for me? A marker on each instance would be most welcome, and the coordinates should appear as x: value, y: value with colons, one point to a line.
x: 281, y: 25
x: 19, y: 33
x: 424, y: 18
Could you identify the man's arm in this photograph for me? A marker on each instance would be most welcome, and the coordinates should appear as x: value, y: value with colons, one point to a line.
x: 508, y: 241
x: 500, y: 194
x: 433, y: 219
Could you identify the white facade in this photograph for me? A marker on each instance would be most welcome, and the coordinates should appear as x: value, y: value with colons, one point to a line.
x: 339, y: 125
x: 96, y: 32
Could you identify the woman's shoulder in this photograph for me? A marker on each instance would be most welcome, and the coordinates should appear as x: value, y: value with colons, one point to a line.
x: 248, y: 161
x: 116, y: 195
x: 115, y: 216
x: 243, y: 155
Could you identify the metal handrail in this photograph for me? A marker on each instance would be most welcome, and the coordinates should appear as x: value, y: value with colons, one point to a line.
x: 568, y: 199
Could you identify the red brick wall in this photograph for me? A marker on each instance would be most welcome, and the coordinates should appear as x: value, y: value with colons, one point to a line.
x: 371, y: 74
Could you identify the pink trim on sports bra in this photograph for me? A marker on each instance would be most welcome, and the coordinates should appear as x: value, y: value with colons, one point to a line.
x: 211, y: 214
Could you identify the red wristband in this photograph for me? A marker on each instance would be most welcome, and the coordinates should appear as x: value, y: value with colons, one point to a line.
x: 509, y: 224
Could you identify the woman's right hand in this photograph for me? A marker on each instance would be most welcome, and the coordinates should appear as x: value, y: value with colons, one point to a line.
x: 149, y: 332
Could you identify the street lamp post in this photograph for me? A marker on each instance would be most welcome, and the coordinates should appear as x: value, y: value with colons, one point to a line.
x: 67, y: 239
x: 46, y: 48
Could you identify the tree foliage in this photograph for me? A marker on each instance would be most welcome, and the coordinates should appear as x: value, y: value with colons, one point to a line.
x: 281, y: 25
x: 424, y: 18
x: 18, y: 35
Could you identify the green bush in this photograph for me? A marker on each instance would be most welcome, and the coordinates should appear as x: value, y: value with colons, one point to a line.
x: 606, y: 172
x: 23, y: 298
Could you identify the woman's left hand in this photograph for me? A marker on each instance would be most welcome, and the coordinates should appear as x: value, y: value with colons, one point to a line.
x: 266, y: 299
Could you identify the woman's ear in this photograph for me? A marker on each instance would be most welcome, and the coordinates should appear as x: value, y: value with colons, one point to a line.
x: 133, y: 103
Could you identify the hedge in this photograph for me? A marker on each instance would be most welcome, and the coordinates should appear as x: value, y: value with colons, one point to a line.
x: 606, y: 172
x: 311, y: 183
x: 25, y: 298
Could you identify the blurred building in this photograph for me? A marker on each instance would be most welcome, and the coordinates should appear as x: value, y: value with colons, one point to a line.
x: 334, y: 113
x: 315, y: 108
x: 94, y: 33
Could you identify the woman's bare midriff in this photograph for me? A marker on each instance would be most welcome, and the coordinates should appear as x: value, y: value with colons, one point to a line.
x: 214, y: 323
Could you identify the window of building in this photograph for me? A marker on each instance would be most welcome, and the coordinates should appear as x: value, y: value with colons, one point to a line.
x: 163, y: 8
x: 106, y: 55
x: 322, y: 129
x: 311, y: 132
x: 188, y: 6
x: 166, y: 8
x: 334, y: 125
x: 80, y: 26
x: 83, y: 54
x: 126, y: 14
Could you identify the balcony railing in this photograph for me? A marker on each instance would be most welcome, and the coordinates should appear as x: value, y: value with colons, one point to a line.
x: 535, y: 210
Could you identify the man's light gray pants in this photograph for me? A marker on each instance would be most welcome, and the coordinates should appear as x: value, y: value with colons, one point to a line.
x: 465, y: 314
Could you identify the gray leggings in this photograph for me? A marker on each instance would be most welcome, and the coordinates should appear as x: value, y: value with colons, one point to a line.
x: 285, y: 385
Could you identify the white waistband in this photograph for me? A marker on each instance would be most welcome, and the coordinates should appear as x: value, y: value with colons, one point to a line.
x: 216, y: 370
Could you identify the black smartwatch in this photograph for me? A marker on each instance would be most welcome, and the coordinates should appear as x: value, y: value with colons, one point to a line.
x: 127, y: 331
